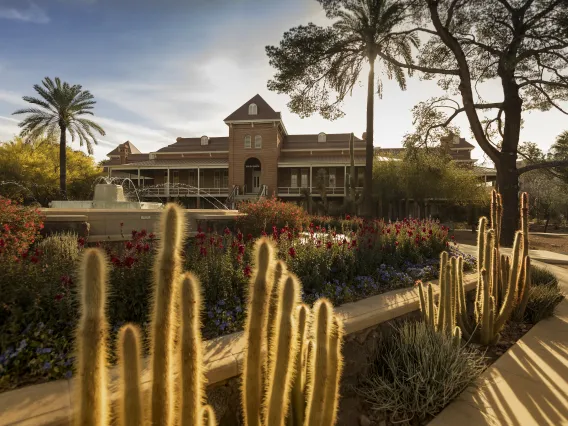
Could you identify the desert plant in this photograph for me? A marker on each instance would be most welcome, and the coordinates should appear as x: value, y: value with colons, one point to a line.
x: 540, y: 276
x: 266, y: 397
x: 417, y: 372
x: 542, y: 301
x: 93, y: 398
x: 60, y: 247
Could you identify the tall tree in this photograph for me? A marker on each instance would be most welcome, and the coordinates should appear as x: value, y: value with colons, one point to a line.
x: 318, y: 66
x: 522, y: 44
x: 559, y: 151
x: 61, y: 107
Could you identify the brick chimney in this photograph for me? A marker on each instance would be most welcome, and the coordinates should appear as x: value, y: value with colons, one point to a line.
x: 364, y: 136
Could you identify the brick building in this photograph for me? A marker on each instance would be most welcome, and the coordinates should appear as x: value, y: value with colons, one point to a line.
x: 258, y: 157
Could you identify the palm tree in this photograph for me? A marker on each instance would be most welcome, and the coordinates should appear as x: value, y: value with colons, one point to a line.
x: 62, y: 106
x: 314, y: 61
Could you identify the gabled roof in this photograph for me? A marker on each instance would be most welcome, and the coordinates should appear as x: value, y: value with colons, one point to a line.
x: 264, y: 111
x: 461, y: 144
x: 194, y: 145
x: 332, y: 141
x: 130, y: 149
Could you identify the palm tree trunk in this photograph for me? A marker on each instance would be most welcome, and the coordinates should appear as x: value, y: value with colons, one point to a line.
x: 63, y: 161
x: 369, y: 151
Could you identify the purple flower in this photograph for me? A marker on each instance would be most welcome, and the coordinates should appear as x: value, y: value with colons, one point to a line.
x: 69, y: 374
x: 47, y: 366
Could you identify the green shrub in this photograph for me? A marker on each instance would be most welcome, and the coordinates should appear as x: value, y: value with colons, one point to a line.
x: 62, y: 247
x: 265, y: 213
x: 542, y: 303
x: 417, y: 372
x: 540, y: 276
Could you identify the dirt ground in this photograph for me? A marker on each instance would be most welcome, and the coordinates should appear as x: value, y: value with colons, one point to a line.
x: 552, y: 242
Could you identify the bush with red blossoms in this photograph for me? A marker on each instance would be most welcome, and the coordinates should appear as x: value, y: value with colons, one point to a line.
x: 263, y: 214
x: 19, y: 228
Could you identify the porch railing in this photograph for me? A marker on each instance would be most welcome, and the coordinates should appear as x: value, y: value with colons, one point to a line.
x: 180, y: 191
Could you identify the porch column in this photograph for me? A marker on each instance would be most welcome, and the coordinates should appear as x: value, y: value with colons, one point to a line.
x: 311, y: 181
x: 138, y: 178
x: 168, y: 183
x: 345, y: 182
x: 198, y: 200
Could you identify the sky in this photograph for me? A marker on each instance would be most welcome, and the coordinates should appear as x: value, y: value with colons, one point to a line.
x: 177, y: 68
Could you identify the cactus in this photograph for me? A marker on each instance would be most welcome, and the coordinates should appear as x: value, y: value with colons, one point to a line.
x: 457, y: 336
x: 298, y: 401
x: 166, y: 278
x: 207, y: 416
x: 283, y: 352
x: 503, y: 283
x: 334, y: 369
x: 255, y: 332
x: 92, y: 399
x: 192, y: 387
x: 130, y: 402
x: 91, y: 342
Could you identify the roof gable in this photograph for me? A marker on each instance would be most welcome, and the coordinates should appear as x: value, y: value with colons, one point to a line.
x: 264, y: 111
x: 130, y: 149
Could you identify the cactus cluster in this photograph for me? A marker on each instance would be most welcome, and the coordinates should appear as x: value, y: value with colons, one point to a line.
x: 502, y: 288
x: 175, y: 318
x: 284, y: 381
x: 292, y: 365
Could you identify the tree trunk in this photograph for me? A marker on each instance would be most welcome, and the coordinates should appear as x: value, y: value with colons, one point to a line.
x: 508, y: 181
x: 369, y: 151
x: 546, y: 223
x: 63, y: 161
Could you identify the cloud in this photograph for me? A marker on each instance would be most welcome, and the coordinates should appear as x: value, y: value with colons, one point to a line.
x: 32, y: 13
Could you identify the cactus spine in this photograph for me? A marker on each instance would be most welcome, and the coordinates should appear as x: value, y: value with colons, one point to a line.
x: 207, y: 416
x: 191, y: 355
x: 130, y: 403
x: 91, y: 342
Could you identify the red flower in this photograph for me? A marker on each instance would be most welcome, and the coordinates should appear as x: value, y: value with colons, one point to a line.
x: 329, y: 245
x: 347, y: 217
x: 227, y: 231
x: 396, y: 243
x: 151, y: 236
x: 247, y: 271
x: 203, y: 251
x: 129, y: 261
x: 58, y: 297
x: 7, y: 227
x: 25, y: 255
x: 354, y: 243
x: 239, y: 236
x: 249, y: 237
x: 453, y: 237
x: 34, y: 259
x: 129, y: 245
x: 292, y: 252
x: 115, y: 261
x: 134, y: 233
x: 146, y: 247
x: 241, y: 249
x: 143, y: 233
x: 139, y: 248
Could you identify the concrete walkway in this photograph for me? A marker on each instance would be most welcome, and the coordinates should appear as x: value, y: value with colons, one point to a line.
x: 545, y: 256
x: 526, y: 386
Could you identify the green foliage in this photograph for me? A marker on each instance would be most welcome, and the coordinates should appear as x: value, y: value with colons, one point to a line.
x: 559, y: 151
x: 61, y: 110
x: 422, y: 174
x: 417, y: 372
x: 541, y: 276
x: 542, y: 301
x: 35, y: 166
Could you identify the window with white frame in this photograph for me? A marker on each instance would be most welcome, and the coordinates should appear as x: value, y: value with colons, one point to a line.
x: 332, y: 180
x: 294, y: 178
x: 304, y: 182
x: 247, y: 141
x: 321, y: 137
x: 204, y: 140
x: 253, y: 110
x: 258, y: 141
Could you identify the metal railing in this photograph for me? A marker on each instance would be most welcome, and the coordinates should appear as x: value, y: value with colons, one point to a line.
x: 332, y: 190
x: 180, y: 191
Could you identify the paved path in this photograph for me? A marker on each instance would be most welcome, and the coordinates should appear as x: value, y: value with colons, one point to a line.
x: 526, y: 386
x: 545, y: 256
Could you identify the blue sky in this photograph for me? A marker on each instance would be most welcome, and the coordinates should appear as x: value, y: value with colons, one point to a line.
x: 160, y: 70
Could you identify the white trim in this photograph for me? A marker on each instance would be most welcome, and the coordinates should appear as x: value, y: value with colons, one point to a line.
x: 293, y: 165
x: 197, y: 166
x: 279, y: 121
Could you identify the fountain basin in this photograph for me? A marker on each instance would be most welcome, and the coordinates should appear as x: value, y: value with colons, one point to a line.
x: 130, y: 205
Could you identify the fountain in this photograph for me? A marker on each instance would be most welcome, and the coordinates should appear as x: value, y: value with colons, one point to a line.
x: 106, y: 196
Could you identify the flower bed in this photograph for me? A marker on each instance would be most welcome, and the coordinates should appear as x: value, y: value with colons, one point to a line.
x: 359, y: 260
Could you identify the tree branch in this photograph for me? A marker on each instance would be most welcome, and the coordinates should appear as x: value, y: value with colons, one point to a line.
x: 545, y: 82
x: 548, y: 98
x: 543, y: 165
x: 417, y: 67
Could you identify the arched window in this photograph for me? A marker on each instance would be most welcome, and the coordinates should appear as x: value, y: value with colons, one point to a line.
x: 321, y: 137
x: 204, y: 140
x: 247, y: 141
x: 258, y: 141
x: 253, y: 110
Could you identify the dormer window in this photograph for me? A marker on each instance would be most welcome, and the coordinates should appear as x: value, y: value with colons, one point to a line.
x: 321, y: 137
x: 253, y: 110
x: 247, y: 141
x: 204, y: 140
x: 258, y: 141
